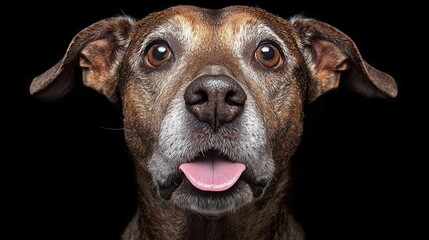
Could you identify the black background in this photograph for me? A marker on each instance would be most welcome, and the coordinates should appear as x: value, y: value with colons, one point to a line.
x: 359, y: 173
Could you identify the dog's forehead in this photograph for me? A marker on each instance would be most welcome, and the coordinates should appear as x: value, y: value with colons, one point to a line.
x: 194, y: 25
x: 231, y: 16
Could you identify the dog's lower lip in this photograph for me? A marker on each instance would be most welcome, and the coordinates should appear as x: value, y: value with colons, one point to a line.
x: 166, y: 190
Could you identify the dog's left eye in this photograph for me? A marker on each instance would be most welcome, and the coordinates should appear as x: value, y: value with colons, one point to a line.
x: 158, y: 54
x: 268, y: 55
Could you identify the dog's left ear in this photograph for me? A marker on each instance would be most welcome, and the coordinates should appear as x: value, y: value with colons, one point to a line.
x: 332, y: 56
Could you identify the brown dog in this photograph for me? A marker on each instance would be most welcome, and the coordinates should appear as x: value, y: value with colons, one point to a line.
x: 213, y: 110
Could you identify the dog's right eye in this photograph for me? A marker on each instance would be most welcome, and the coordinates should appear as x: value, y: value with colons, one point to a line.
x: 268, y: 55
x: 158, y: 54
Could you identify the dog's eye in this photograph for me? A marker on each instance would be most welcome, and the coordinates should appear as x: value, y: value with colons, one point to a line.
x: 268, y: 55
x: 158, y: 54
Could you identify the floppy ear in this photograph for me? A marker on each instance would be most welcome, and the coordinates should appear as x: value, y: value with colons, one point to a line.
x: 332, y: 56
x: 96, y: 49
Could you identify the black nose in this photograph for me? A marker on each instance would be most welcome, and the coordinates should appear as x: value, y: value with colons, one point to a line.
x: 215, y: 100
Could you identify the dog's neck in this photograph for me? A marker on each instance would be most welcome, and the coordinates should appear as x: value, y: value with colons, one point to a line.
x: 267, y: 218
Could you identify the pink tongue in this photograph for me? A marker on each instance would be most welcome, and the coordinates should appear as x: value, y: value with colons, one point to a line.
x: 215, y: 175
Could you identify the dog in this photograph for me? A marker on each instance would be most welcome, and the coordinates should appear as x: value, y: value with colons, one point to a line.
x: 212, y: 102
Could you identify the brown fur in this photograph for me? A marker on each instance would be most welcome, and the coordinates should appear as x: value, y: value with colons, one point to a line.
x: 317, y: 57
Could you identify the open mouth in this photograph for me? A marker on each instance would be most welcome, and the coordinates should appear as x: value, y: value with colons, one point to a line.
x: 212, y: 171
x: 212, y: 183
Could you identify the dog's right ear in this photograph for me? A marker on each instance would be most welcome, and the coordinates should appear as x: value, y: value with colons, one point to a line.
x: 96, y: 49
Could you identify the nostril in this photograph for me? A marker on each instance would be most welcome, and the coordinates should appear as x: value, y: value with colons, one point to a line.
x: 235, y: 98
x: 197, y: 97
x: 202, y: 97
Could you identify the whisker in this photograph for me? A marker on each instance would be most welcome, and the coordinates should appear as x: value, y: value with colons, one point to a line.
x: 275, y: 179
x: 112, y: 129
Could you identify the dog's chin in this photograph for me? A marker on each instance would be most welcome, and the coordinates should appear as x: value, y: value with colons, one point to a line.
x: 212, y: 204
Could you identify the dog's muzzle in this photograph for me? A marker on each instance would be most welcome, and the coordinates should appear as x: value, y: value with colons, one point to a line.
x: 215, y: 100
x: 213, y: 156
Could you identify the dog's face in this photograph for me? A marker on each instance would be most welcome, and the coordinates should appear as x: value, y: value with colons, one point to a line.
x: 220, y: 82
x: 212, y: 99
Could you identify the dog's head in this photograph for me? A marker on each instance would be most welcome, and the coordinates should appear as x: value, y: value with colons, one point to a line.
x: 212, y: 99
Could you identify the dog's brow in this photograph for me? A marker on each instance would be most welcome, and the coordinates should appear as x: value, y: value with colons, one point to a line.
x: 177, y: 27
x: 256, y: 32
